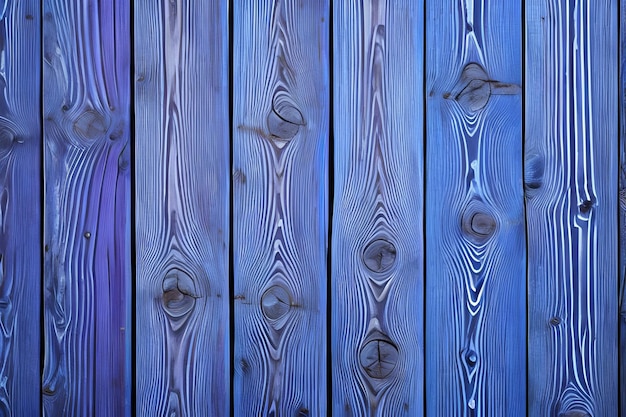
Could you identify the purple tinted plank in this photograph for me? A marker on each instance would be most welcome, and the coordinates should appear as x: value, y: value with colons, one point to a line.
x: 20, y: 208
x: 87, y: 180
x: 622, y: 212
x: 571, y: 139
x: 182, y: 206
x: 280, y: 192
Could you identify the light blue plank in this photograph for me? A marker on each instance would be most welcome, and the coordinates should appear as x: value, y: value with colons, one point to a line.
x: 181, y: 207
x: 377, y: 253
x: 571, y: 168
x: 475, y: 238
x: 280, y: 164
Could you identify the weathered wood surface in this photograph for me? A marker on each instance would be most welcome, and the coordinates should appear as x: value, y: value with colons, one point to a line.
x: 475, y: 240
x: 20, y: 208
x: 571, y: 183
x: 86, y: 276
x: 622, y: 210
x: 280, y: 170
x: 182, y: 206
x: 377, y: 253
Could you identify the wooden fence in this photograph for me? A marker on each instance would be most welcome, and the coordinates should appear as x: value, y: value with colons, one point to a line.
x: 312, y: 208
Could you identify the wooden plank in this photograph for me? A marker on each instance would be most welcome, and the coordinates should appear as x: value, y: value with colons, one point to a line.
x: 86, y: 278
x: 20, y: 208
x: 622, y: 212
x: 475, y: 240
x: 182, y: 205
x: 280, y: 191
x: 377, y: 252
x: 571, y: 183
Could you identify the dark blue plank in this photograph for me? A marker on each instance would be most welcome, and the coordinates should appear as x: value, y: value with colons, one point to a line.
x: 20, y: 208
x: 622, y: 208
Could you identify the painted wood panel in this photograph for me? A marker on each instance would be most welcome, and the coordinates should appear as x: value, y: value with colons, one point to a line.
x: 475, y: 240
x: 622, y: 209
x: 86, y: 157
x: 280, y: 207
x: 181, y: 207
x: 20, y: 208
x: 377, y: 253
x: 571, y: 183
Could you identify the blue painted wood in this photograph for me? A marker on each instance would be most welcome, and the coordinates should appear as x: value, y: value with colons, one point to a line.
x: 86, y: 92
x: 377, y: 252
x: 475, y: 240
x: 20, y: 208
x: 280, y: 188
x: 181, y: 207
x: 571, y: 166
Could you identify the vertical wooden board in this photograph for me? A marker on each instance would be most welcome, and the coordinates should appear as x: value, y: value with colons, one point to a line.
x: 20, y: 208
x: 571, y: 183
x: 622, y: 208
x: 86, y: 277
x: 377, y: 253
x: 182, y: 205
x: 280, y: 165
x: 475, y: 240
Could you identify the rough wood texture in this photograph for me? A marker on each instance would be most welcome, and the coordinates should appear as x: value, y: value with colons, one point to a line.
x: 377, y: 252
x: 20, y: 208
x: 571, y: 183
x: 182, y: 204
x: 87, y: 279
x: 622, y: 210
x: 475, y: 283
x: 280, y: 165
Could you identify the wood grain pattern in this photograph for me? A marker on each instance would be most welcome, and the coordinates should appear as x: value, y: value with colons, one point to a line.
x: 622, y: 210
x: 86, y: 277
x: 475, y: 282
x: 571, y: 183
x: 182, y: 205
x: 377, y: 252
x: 280, y: 165
x: 20, y: 208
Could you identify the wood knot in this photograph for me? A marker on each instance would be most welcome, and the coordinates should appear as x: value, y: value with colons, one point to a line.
x: 7, y: 138
x: 533, y: 171
x: 585, y: 206
x: 239, y: 177
x: 478, y: 226
x: 379, y: 255
x: 275, y: 302
x: 555, y: 321
x: 284, y: 119
x: 378, y: 357
x: 91, y: 125
x: 474, y: 88
x: 178, y: 296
